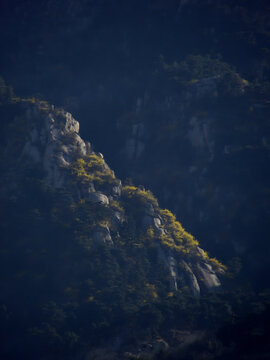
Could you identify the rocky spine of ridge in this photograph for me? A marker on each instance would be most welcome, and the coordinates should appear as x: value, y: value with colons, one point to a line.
x: 54, y: 144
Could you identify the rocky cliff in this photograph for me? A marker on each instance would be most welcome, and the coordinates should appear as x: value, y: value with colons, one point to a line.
x: 53, y: 143
x: 76, y: 242
x: 201, y: 108
x: 179, y: 104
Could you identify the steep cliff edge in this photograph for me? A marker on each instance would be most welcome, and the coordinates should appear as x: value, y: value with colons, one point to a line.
x: 53, y: 143
x: 73, y: 235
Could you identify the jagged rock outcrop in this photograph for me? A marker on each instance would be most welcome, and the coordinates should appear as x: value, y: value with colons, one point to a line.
x: 191, y: 279
x: 68, y: 162
x: 54, y: 141
x: 208, y: 276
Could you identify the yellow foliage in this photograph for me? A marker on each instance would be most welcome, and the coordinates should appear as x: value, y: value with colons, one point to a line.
x: 204, y: 254
x: 128, y: 189
x: 167, y: 215
x: 116, y: 205
x: 140, y: 194
x: 217, y: 264
x: 167, y: 241
x: 94, y: 161
x: 80, y: 162
x: 176, y: 236
x: 213, y: 261
x: 92, y: 169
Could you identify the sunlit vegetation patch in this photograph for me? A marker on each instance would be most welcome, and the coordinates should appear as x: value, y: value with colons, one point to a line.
x: 217, y: 265
x: 93, y: 169
x: 141, y: 195
x: 176, y: 237
x: 183, y: 242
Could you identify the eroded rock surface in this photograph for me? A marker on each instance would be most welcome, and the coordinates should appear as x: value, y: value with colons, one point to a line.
x: 53, y: 142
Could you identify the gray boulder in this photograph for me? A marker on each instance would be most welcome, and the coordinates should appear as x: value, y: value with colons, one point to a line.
x: 97, y: 197
x: 208, y: 277
x: 155, y: 222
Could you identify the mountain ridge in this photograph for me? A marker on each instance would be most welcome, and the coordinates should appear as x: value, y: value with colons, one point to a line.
x: 84, y: 243
x: 68, y: 159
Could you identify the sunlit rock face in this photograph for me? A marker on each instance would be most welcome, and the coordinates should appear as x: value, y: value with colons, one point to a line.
x: 52, y: 143
x: 191, y: 279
